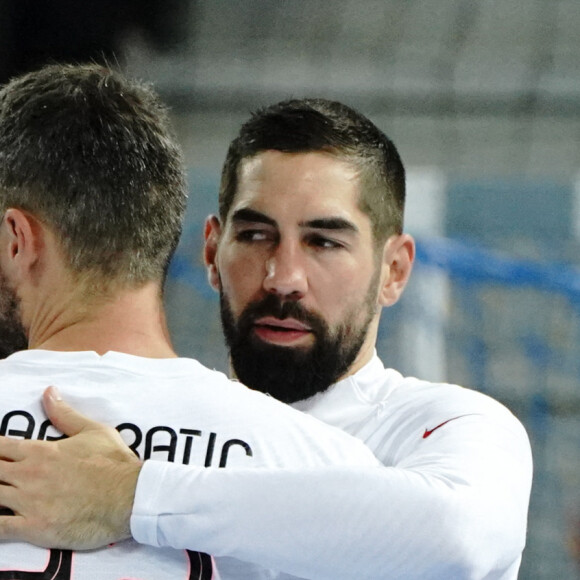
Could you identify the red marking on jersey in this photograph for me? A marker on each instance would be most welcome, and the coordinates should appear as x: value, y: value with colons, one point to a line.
x: 429, y: 431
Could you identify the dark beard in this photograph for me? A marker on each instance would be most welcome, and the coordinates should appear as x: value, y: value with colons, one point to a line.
x: 290, y: 374
x: 12, y: 334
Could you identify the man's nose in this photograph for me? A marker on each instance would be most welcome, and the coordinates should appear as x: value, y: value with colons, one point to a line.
x: 285, y: 273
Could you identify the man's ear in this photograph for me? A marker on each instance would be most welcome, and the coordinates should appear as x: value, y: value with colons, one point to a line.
x: 21, y: 243
x: 398, y: 257
x: 212, y: 232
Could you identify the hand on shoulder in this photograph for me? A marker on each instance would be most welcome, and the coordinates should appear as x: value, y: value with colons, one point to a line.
x: 74, y: 493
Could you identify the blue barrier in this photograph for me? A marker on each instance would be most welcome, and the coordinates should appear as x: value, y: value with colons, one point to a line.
x: 470, y: 263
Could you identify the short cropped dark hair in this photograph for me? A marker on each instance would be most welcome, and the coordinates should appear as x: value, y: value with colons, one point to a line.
x: 91, y: 155
x: 309, y: 125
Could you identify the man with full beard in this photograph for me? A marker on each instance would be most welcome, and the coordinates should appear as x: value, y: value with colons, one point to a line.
x: 307, y: 250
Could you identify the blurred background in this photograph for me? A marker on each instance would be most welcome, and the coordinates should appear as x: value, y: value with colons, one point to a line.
x: 482, y: 99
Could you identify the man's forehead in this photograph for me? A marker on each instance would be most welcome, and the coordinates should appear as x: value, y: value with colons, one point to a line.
x: 319, y: 161
x: 313, y: 183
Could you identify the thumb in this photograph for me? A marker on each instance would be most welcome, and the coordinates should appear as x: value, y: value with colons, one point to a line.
x: 62, y: 415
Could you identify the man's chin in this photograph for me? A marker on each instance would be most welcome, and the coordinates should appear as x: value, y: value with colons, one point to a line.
x: 287, y: 373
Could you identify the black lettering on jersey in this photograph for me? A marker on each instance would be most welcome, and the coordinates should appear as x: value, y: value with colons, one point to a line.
x: 158, y: 440
x: 210, y: 450
x: 170, y: 447
x: 189, y: 435
x: 59, y: 567
x: 12, y: 418
x: 231, y: 443
x: 201, y: 566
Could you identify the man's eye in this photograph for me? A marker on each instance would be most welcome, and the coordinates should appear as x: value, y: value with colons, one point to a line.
x: 251, y: 236
x: 325, y: 243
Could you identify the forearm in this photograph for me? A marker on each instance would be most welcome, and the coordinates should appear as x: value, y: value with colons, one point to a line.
x: 333, y: 523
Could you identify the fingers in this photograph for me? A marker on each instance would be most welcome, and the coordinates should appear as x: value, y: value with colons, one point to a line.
x: 63, y: 416
x: 8, y: 500
x: 11, y: 449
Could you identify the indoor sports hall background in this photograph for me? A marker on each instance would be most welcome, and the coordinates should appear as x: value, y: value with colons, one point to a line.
x: 482, y: 99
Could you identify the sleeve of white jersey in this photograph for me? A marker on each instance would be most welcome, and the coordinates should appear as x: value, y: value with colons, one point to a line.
x: 455, y: 506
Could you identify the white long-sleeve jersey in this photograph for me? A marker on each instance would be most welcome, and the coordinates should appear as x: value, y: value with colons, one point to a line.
x: 167, y: 410
x: 450, y: 500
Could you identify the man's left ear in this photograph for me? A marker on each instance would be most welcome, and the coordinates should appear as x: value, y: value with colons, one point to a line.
x: 398, y: 257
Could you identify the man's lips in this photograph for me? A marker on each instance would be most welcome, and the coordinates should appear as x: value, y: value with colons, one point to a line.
x: 287, y: 331
x: 285, y: 324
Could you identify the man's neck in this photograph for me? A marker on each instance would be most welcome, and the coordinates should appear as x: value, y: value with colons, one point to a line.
x: 132, y: 322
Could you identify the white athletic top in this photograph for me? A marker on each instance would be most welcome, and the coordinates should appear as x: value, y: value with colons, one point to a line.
x: 172, y: 410
x: 449, y: 502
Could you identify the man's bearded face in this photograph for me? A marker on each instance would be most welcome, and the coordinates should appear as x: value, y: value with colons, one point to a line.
x: 288, y: 373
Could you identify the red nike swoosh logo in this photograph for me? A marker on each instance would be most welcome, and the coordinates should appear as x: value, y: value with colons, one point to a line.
x: 429, y: 431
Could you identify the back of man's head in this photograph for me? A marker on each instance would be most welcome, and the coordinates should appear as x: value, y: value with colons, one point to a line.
x: 91, y: 155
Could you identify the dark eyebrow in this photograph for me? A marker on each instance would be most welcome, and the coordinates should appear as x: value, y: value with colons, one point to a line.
x: 251, y: 215
x: 332, y: 223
